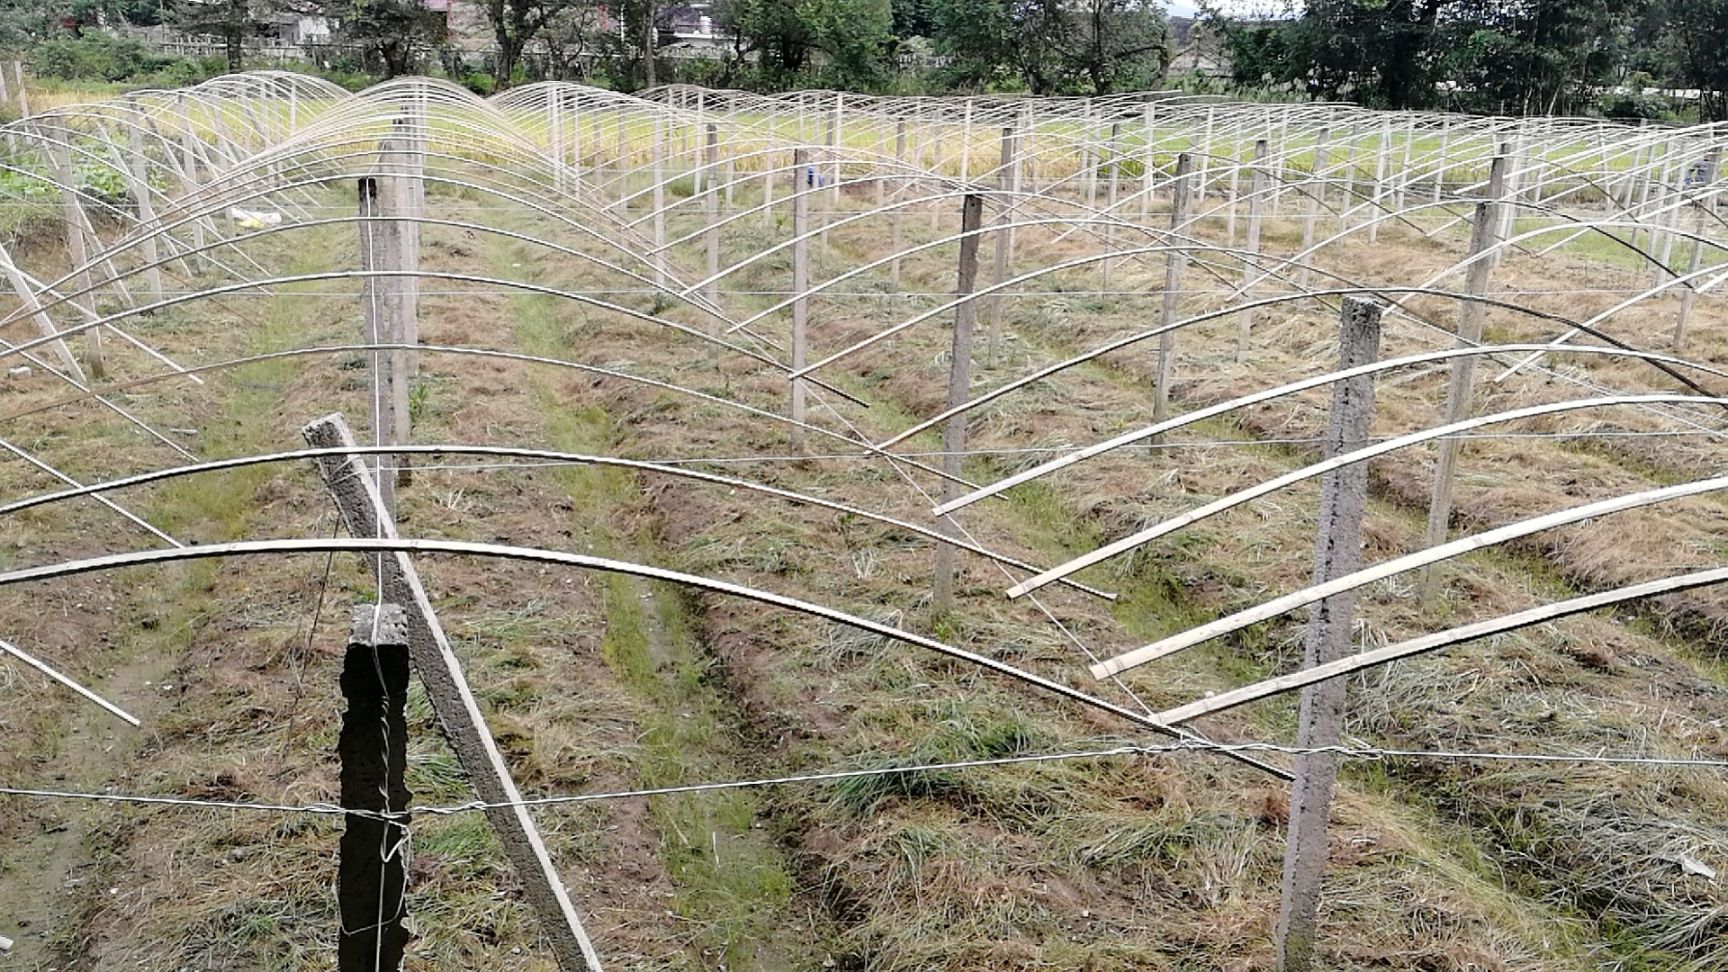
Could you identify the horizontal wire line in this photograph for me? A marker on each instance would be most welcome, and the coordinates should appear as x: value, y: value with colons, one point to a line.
x: 1196, y: 746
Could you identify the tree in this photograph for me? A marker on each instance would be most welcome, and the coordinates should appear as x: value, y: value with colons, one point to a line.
x: 1697, y: 39
x: 1053, y: 46
x: 515, y: 24
x: 854, y: 38
x: 773, y: 31
x: 1384, y: 53
x: 232, y: 21
x: 391, y: 33
x: 573, y: 36
x: 1531, y: 58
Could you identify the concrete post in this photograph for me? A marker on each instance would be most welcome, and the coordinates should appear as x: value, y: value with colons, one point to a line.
x: 959, y: 388
x: 1484, y: 234
x: 1251, y: 265
x: 1338, y: 547
x: 1174, y: 261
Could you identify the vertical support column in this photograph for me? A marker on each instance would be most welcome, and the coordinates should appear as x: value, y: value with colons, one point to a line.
x: 1174, y: 261
x: 966, y: 143
x: 189, y: 183
x: 23, y: 89
x: 836, y: 142
x: 385, y: 310
x: 1250, y: 262
x: 57, y: 139
x: 1695, y: 261
x: 1111, y: 193
x: 1484, y: 234
x: 372, y: 876
x: 800, y: 281
x: 1445, y: 162
x: 896, y: 217
x: 1343, y: 496
x: 374, y: 315
x: 138, y: 179
x: 711, y: 210
x: 1316, y: 197
x: 363, y: 513
x: 959, y: 388
x: 1377, y: 210
x: 1005, y: 179
x: 659, y: 200
x: 1148, y: 161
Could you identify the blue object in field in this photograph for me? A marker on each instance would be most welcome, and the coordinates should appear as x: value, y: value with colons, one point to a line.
x: 811, y: 178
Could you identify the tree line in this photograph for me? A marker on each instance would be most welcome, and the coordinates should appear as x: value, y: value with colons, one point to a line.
x: 1490, y: 56
x: 1552, y: 57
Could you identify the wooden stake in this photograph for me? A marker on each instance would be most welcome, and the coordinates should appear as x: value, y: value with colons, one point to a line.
x: 372, y: 877
x: 1338, y: 547
x: 959, y: 388
x: 363, y: 512
x: 1484, y: 233
x: 1174, y: 261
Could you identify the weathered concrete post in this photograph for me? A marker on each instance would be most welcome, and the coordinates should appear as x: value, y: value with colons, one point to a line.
x: 372, y: 875
x: 1338, y: 547
x: 1174, y: 261
x: 1484, y: 234
x: 959, y: 388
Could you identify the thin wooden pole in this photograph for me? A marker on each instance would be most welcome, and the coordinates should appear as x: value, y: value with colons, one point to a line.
x: 1337, y: 551
x: 959, y: 389
x: 1174, y: 261
x: 137, y: 178
x: 1484, y: 233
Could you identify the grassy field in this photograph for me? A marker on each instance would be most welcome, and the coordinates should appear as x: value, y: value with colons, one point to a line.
x: 597, y: 683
